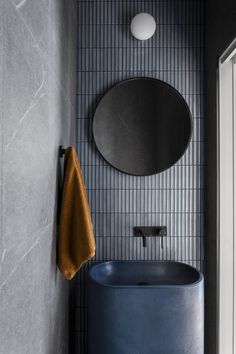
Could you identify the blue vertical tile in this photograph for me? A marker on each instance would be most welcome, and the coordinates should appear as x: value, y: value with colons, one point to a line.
x: 107, y: 54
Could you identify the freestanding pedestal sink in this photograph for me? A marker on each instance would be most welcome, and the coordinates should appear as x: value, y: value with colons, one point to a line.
x: 141, y: 307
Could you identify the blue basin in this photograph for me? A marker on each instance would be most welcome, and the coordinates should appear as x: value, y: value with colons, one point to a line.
x: 142, y: 307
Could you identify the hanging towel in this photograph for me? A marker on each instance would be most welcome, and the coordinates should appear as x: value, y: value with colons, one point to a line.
x: 76, y: 238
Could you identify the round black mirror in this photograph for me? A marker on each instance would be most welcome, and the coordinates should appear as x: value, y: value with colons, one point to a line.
x: 142, y: 126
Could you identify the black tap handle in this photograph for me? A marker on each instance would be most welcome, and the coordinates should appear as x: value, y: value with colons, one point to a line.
x: 144, y: 239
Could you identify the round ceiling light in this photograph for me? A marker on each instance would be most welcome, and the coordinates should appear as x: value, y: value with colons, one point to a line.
x: 143, y: 26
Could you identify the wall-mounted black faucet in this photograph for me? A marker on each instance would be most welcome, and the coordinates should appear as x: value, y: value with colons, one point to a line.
x: 150, y: 231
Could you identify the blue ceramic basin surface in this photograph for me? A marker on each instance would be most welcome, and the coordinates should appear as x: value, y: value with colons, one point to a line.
x: 145, y: 307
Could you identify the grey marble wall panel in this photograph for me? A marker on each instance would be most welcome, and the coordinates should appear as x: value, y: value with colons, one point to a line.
x: 37, y: 75
x: 107, y: 54
x: 1, y: 121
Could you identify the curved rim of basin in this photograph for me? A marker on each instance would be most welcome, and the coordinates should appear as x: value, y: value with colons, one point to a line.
x: 101, y: 274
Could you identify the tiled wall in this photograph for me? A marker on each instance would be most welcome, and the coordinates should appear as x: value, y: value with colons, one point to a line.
x: 107, y: 54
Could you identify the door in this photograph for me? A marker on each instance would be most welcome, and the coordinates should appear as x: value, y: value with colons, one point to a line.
x: 227, y: 202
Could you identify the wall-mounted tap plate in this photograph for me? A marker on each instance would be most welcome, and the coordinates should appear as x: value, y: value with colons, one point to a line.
x: 146, y: 231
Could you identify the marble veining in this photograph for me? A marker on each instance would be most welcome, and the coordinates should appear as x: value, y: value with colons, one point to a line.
x: 20, y: 4
x: 33, y: 103
x: 37, y: 86
x: 21, y: 259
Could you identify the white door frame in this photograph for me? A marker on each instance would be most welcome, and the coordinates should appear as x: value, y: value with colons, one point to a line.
x: 226, y: 206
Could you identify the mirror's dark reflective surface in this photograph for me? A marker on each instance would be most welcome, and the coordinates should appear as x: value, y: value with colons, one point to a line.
x: 142, y: 126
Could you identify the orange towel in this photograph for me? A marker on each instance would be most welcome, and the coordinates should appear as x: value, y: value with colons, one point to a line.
x: 76, y: 239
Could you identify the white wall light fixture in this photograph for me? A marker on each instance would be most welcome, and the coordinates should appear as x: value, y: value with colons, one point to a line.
x: 143, y: 26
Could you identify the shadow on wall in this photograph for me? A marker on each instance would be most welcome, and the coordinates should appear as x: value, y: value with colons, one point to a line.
x: 63, y: 65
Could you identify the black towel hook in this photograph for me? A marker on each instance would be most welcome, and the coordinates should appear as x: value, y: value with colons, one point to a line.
x: 62, y: 151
